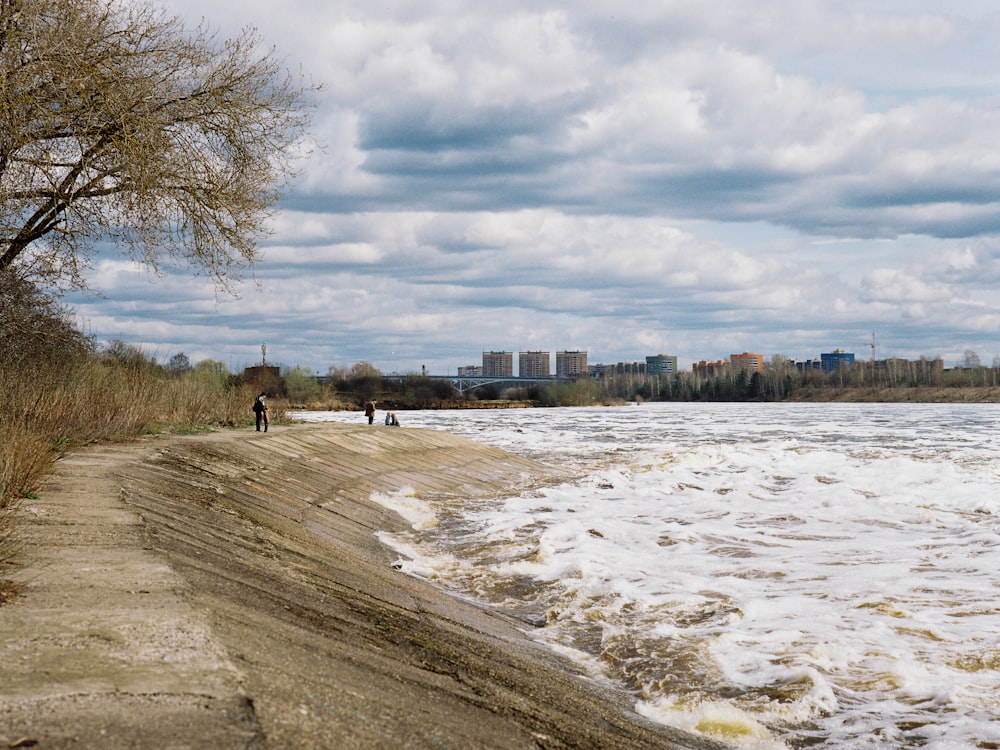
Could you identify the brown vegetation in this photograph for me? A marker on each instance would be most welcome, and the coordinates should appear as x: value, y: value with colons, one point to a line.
x: 59, y: 391
x: 906, y: 394
x: 102, y: 399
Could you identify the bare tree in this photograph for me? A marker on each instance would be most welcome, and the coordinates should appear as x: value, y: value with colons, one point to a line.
x: 970, y: 359
x: 119, y: 124
x: 179, y: 364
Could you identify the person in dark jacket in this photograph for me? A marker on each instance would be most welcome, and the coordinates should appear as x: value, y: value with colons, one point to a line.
x: 260, y: 409
x: 370, y: 411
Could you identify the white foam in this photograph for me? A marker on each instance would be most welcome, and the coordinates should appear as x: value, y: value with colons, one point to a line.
x: 407, y: 503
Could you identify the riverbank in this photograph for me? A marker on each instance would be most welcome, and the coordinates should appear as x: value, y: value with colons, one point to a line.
x: 915, y: 394
x: 227, y: 590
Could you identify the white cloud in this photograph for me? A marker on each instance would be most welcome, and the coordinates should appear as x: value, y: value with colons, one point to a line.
x: 897, y: 286
x: 785, y: 176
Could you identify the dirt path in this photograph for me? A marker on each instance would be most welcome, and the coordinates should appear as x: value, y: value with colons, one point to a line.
x: 227, y: 591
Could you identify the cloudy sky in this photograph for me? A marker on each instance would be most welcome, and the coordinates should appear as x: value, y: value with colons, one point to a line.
x: 656, y: 176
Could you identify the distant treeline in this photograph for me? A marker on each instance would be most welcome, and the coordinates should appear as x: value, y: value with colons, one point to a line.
x: 863, y: 381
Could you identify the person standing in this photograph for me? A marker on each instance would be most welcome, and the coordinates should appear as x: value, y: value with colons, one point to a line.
x: 370, y: 411
x: 260, y: 409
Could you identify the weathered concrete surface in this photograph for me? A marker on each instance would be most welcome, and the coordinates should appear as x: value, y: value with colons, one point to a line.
x: 227, y: 591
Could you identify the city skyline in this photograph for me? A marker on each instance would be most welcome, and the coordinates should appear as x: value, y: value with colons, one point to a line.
x: 666, y: 177
x: 500, y: 363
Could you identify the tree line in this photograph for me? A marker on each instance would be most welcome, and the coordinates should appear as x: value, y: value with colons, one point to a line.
x: 779, y: 380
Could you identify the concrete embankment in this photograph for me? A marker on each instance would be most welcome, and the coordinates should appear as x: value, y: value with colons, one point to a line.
x: 228, y: 591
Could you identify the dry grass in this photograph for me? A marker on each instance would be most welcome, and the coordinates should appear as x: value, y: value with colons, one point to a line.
x: 52, y: 408
x: 911, y: 394
x: 25, y: 456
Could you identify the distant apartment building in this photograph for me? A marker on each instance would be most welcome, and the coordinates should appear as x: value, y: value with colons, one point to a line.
x: 470, y: 371
x: 833, y: 361
x: 619, y: 368
x: 710, y: 369
x: 571, y: 364
x: 498, y: 364
x: 661, y: 364
x: 534, y: 364
x: 747, y: 362
x: 806, y: 365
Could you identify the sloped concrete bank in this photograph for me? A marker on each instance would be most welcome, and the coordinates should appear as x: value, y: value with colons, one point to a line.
x: 227, y: 591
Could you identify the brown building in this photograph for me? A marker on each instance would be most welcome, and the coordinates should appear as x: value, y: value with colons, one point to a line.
x: 534, y: 365
x: 264, y: 377
x: 498, y: 364
x: 571, y: 364
x: 747, y: 361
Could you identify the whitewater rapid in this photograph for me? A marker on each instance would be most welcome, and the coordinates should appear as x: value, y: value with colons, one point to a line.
x: 770, y: 575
